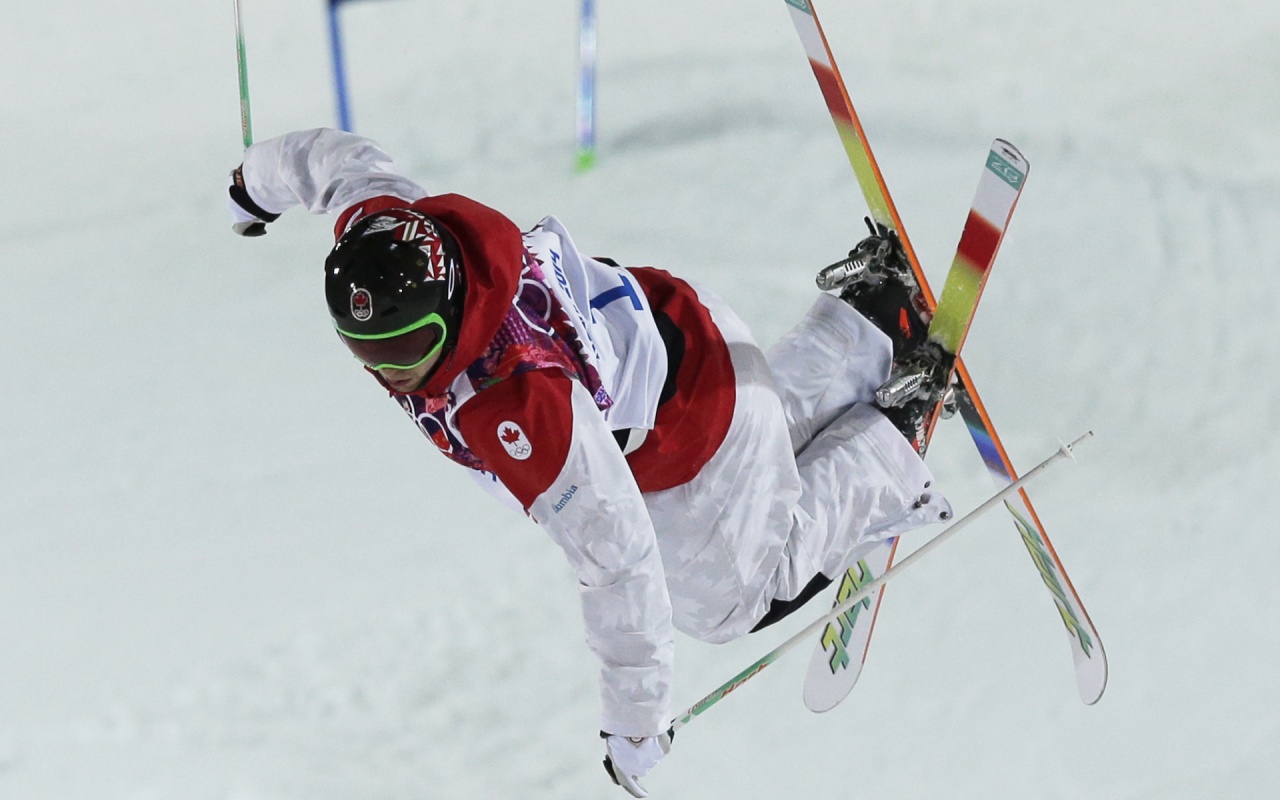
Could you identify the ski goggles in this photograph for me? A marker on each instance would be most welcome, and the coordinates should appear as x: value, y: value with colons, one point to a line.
x: 407, y: 348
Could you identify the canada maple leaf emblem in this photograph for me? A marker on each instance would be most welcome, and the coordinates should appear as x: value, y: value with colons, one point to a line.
x: 513, y: 440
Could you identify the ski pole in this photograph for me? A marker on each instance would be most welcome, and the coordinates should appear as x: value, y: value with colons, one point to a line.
x: 242, y: 66
x: 1064, y: 451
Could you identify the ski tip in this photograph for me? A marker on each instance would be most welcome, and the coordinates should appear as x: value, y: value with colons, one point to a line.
x: 1091, y: 692
x: 823, y: 691
x: 1009, y: 151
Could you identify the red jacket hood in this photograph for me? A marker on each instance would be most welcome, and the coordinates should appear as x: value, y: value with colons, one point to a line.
x: 492, y: 260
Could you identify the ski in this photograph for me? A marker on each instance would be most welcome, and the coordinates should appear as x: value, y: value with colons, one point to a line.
x: 845, y: 647
x: 837, y: 660
x: 1086, y: 646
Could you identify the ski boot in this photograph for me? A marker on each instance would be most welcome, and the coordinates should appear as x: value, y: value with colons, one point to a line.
x: 918, y: 387
x: 877, y: 280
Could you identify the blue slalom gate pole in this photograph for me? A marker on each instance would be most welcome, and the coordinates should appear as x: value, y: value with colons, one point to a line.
x: 586, y: 140
x: 339, y: 67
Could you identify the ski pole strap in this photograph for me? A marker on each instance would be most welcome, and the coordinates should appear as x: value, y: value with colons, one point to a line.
x: 240, y: 195
x: 1065, y: 451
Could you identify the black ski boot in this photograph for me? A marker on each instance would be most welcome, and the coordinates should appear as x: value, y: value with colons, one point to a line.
x: 918, y: 389
x: 877, y: 280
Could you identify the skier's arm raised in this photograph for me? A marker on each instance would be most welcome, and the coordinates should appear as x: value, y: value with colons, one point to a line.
x: 323, y: 170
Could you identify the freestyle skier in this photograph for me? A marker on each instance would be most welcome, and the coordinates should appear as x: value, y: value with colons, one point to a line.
x: 693, y: 481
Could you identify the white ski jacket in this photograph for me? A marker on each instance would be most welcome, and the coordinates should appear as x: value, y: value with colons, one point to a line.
x: 552, y: 395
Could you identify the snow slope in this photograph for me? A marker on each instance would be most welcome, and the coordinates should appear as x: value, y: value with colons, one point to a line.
x: 229, y: 569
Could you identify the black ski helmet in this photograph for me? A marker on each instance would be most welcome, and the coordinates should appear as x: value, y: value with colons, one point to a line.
x: 394, y: 287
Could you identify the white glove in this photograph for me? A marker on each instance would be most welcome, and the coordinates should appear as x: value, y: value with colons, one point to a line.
x: 627, y: 760
x: 250, y: 218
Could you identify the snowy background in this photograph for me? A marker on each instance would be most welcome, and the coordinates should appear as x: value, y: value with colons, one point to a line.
x: 230, y: 569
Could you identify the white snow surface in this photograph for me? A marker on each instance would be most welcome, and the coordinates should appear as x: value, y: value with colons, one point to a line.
x: 230, y: 569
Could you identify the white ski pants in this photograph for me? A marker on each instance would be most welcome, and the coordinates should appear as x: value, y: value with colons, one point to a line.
x: 809, y: 477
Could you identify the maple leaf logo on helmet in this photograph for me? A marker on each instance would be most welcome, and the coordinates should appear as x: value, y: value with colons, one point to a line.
x: 361, y: 305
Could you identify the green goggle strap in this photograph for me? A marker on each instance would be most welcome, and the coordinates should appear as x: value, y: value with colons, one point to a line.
x: 422, y: 323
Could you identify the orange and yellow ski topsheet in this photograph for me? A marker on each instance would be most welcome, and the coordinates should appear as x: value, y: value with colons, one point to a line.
x: 852, y: 136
